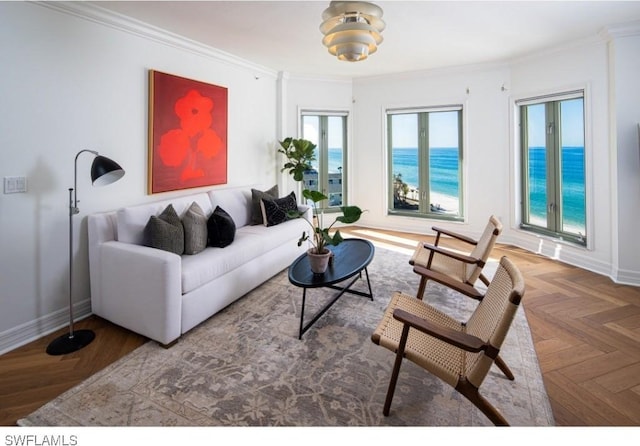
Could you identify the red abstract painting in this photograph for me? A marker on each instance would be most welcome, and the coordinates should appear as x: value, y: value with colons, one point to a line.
x: 187, y: 133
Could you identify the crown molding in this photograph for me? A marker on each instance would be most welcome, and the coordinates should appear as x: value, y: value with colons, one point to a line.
x: 628, y: 29
x: 144, y: 30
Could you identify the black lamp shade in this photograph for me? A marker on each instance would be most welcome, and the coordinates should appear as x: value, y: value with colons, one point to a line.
x: 105, y: 171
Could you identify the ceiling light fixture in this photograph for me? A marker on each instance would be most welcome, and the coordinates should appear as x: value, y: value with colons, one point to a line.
x: 352, y: 29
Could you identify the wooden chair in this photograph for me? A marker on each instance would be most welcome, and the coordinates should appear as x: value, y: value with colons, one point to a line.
x: 460, y: 354
x: 454, y: 269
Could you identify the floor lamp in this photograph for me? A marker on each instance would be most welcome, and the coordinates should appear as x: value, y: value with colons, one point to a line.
x: 103, y: 171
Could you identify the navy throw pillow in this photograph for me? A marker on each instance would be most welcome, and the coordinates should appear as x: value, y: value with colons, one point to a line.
x: 275, y: 211
x: 221, y: 228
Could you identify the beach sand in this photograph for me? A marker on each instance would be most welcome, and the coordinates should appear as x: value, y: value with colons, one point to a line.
x: 446, y: 203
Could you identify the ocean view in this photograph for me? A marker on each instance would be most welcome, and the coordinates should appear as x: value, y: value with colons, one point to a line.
x: 573, y: 191
x: 444, y: 179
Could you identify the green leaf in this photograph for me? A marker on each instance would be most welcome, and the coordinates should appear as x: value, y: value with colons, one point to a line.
x: 351, y: 214
x: 336, y: 239
x: 303, y: 238
x: 294, y: 214
x: 300, y: 153
x: 314, y: 195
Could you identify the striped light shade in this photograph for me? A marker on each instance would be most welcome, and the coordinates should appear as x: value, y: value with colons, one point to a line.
x: 352, y: 30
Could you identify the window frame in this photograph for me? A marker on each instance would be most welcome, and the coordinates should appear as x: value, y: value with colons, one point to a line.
x: 323, y: 152
x: 424, y: 210
x: 551, y: 102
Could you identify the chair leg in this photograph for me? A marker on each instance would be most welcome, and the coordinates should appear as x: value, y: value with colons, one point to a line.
x: 505, y: 369
x: 396, y: 370
x: 471, y: 393
x: 421, y: 287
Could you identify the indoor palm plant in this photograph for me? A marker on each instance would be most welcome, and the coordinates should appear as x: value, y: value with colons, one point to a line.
x: 320, y: 237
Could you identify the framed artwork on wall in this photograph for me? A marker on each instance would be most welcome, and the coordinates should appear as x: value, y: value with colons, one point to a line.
x: 187, y: 133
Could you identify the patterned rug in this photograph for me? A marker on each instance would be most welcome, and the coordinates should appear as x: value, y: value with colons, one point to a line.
x: 245, y: 366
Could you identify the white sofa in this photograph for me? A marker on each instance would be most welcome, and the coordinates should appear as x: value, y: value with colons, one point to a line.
x: 162, y: 295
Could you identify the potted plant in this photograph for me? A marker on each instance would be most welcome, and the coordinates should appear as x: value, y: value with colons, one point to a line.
x: 320, y: 236
x: 300, y: 153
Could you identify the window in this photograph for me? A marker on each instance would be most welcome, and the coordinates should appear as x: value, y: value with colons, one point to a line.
x: 553, y: 166
x: 425, y: 162
x: 329, y: 132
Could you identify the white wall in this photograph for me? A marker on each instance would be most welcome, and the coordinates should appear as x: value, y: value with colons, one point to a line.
x: 307, y: 93
x: 609, y: 72
x: 70, y: 84
x: 625, y: 63
x: 583, y: 66
x: 486, y: 137
x: 491, y: 152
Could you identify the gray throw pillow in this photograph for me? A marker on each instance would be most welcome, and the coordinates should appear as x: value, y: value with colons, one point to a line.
x: 275, y: 211
x: 165, y: 232
x: 256, y: 197
x: 195, y: 229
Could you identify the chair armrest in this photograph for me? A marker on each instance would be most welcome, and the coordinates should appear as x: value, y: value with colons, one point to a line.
x: 456, y: 255
x: 456, y: 338
x: 447, y: 281
x: 455, y: 235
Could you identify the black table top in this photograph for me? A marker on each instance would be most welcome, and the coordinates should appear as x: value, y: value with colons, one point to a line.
x: 349, y: 258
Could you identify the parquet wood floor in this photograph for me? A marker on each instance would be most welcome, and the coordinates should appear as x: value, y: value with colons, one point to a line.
x: 586, y: 332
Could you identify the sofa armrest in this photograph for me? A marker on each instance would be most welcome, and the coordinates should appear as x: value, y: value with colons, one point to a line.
x: 141, y: 289
x: 307, y: 212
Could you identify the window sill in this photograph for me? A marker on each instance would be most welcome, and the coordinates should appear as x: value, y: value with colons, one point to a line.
x: 563, y: 239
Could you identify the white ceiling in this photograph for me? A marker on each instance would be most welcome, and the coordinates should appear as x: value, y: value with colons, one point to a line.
x: 419, y: 35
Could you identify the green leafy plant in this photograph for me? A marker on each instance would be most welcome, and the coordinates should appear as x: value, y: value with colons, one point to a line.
x: 320, y: 237
x: 299, y: 153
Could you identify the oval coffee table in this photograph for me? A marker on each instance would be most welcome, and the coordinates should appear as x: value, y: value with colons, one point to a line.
x: 350, y: 258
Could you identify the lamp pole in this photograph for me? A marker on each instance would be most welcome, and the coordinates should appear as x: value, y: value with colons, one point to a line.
x: 102, y: 167
x: 73, y: 210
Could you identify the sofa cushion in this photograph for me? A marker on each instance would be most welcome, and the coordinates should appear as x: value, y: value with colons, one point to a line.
x: 275, y: 211
x: 132, y: 220
x: 235, y: 201
x: 165, y: 232
x: 251, y: 241
x: 221, y: 228
x: 256, y: 198
x: 195, y: 229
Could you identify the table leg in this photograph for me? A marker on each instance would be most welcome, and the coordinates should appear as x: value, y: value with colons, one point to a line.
x: 368, y: 284
x: 345, y: 289
x: 304, y: 297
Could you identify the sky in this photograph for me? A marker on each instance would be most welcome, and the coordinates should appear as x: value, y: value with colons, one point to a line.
x: 443, y: 130
x: 572, y: 124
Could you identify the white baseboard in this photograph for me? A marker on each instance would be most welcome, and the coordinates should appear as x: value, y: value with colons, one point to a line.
x: 626, y: 277
x: 578, y: 257
x: 33, y: 330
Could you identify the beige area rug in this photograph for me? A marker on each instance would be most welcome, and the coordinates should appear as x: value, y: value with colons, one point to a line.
x: 246, y: 367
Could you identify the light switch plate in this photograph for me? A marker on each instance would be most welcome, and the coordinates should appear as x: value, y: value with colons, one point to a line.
x: 15, y: 185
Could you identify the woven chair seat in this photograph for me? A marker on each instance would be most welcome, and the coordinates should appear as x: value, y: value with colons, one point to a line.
x: 442, y: 359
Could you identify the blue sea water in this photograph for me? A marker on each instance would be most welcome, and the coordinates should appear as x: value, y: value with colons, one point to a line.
x: 443, y: 173
x: 444, y: 177
x: 573, y: 182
